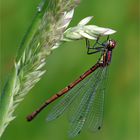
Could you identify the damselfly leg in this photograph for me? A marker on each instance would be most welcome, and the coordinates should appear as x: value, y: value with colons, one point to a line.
x: 97, y: 47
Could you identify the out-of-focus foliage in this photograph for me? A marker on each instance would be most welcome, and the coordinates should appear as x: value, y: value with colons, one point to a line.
x: 68, y: 62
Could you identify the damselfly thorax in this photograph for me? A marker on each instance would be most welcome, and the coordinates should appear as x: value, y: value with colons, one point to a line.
x: 106, y: 55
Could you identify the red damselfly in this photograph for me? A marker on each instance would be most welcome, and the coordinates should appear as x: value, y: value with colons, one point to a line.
x: 86, y: 94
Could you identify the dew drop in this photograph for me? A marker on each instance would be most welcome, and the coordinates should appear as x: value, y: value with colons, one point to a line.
x: 40, y: 6
x: 39, y: 9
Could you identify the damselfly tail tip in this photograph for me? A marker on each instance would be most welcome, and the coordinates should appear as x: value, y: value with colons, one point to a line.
x: 29, y: 118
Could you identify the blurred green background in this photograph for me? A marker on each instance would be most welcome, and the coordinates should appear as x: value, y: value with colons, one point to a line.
x: 68, y: 62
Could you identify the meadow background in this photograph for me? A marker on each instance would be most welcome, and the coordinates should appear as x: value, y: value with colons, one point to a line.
x: 68, y: 62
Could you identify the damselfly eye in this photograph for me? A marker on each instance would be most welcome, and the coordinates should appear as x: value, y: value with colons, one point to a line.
x: 112, y: 43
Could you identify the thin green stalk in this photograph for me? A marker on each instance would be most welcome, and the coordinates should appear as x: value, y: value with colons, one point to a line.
x: 45, y: 31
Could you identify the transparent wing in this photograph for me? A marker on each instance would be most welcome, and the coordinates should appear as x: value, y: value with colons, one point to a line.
x: 68, y: 98
x: 95, y: 116
x: 74, y: 106
x: 81, y: 114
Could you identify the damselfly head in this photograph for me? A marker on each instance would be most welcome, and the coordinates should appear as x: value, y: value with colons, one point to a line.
x: 111, y: 44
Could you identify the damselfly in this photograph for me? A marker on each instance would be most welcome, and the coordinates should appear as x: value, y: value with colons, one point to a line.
x: 86, y: 94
